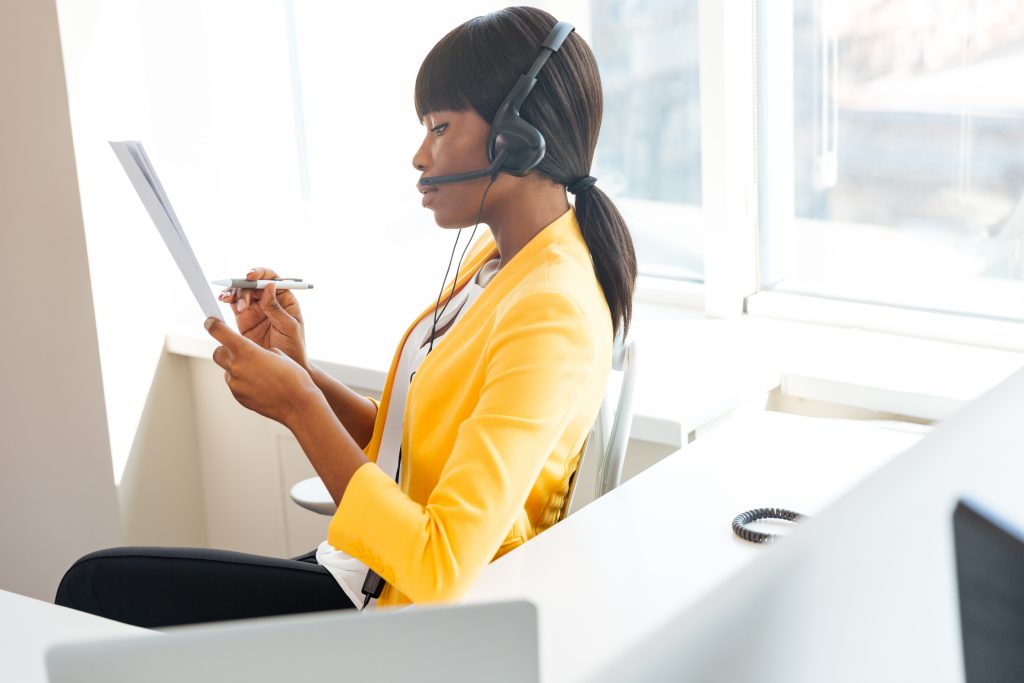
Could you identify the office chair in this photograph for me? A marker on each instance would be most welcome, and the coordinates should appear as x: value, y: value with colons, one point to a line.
x: 608, y: 436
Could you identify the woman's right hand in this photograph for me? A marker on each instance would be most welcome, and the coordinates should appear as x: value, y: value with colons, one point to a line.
x: 269, y: 318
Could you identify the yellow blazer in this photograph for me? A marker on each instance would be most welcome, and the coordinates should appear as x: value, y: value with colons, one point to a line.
x: 495, y: 420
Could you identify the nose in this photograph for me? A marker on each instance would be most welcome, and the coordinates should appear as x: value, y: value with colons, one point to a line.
x: 421, y: 159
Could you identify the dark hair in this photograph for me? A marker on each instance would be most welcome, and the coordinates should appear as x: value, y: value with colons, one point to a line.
x: 475, y: 66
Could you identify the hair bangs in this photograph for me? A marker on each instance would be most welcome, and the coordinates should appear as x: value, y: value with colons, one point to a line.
x: 462, y: 72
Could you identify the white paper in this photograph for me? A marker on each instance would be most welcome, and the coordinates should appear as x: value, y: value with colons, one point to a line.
x: 136, y: 164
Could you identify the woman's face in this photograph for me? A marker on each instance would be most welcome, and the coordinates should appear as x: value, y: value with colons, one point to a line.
x: 454, y: 142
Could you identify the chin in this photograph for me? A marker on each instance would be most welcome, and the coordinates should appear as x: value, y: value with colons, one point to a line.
x: 450, y: 222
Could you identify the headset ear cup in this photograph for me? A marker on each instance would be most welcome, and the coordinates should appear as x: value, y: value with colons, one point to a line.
x: 522, y: 143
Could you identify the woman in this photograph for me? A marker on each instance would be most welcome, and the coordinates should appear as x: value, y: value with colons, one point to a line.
x: 490, y: 396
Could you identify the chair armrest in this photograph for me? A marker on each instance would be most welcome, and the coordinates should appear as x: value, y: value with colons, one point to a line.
x: 313, y: 495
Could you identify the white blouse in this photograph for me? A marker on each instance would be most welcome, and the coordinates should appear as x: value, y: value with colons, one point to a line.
x: 349, y: 572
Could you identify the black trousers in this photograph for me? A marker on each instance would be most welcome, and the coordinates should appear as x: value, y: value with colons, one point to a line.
x: 154, y: 587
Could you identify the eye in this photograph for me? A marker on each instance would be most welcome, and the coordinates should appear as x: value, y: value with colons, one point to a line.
x: 438, y: 129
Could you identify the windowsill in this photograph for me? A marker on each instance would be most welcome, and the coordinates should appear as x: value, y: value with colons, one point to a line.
x: 960, y: 329
x: 703, y: 368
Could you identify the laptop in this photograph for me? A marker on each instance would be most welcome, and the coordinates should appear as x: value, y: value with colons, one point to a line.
x: 452, y: 643
x: 990, y: 579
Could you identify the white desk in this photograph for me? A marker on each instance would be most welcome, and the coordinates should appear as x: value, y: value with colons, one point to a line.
x: 667, y: 532
x: 615, y: 572
x: 29, y: 626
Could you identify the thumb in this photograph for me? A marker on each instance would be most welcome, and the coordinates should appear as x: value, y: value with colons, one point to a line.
x: 225, y: 335
x: 273, y: 308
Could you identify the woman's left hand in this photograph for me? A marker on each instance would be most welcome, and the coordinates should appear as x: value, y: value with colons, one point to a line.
x: 265, y: 381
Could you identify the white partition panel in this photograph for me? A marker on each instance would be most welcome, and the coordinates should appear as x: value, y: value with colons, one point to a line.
x: 57, y: 499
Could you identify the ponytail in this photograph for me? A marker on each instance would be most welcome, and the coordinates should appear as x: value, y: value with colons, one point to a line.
x: 611, y: 248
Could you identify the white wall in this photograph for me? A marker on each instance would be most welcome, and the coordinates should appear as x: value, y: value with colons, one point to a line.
x: 57, y: 499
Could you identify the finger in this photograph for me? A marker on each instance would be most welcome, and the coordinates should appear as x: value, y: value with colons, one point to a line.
x: 272, y: 307
x: 260, y: 273
x: 249, y: 295
x: 222, y: 357
x: 227, y: 376
x: 226, y: 336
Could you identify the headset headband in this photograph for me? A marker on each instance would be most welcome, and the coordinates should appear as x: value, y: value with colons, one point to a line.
x: 524, y: 85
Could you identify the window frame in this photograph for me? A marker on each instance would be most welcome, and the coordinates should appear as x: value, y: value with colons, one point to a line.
x: 748, y: 223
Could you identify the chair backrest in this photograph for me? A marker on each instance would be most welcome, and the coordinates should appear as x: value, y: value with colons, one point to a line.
x: 609, y: 435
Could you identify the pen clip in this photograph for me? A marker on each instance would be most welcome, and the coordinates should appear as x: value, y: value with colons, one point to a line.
x: 290, y: 279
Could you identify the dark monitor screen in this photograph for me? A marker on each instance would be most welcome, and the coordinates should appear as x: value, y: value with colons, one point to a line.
x: 990, y: 579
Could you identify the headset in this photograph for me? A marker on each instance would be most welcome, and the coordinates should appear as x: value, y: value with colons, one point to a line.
x: 514, y: 145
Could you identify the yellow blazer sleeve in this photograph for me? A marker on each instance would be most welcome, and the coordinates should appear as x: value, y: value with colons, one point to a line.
x: 538, y: 361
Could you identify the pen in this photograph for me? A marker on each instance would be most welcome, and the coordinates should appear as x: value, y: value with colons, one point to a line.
x: 282, y: 283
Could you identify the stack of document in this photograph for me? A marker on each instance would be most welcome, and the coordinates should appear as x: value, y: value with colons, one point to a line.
x: 140, y: 171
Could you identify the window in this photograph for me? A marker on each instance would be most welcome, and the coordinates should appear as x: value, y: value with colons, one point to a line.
x: 284, y: 135
x: 886, y: 164
x: 648, y: 157
x: 907, y: 179
x: 212, y: 104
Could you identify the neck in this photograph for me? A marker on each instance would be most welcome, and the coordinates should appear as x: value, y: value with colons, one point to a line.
x: 514, y: 224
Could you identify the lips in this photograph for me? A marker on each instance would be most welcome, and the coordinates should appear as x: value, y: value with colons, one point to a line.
x: 428, y: 194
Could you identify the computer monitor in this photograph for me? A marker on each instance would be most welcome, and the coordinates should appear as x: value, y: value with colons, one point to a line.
x: 868, y: 589
x: 452, y: 643
x: 990, y: 579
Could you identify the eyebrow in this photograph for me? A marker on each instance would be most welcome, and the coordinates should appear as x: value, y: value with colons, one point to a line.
x: 445, y: 114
